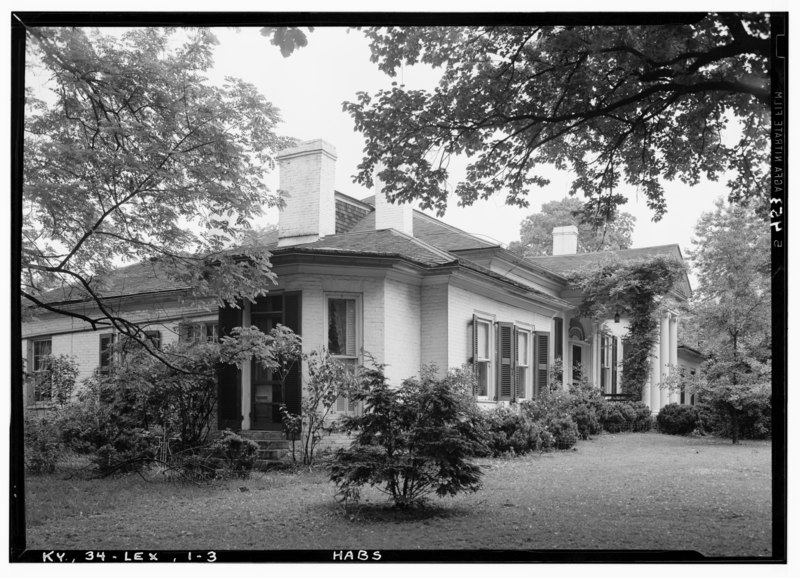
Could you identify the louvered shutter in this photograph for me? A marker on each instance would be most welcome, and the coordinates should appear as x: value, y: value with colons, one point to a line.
x: 559, y: 337
x: 541, y: 361
x: 613, y: 365
x: 475, y: 354
x: 292, y: 393
x: 519, y: 382
x: 603, y: 363
x: 229, y: 378
x: 505, y: 361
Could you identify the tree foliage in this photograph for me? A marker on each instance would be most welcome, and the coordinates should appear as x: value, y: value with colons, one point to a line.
x: 732, y: 313
x: 135, y: 156
x: 733, y: 299
x: 611, y: 104
x: 536, y: 230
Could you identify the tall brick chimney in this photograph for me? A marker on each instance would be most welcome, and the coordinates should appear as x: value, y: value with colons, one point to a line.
x: 307, y: 174
x: 391, y: 215
x: 565, y: 240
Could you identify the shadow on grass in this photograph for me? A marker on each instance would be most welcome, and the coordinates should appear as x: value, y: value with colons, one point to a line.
x: 386, y: 512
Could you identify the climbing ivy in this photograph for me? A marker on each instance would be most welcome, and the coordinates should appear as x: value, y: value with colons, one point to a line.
x: 635, y: 290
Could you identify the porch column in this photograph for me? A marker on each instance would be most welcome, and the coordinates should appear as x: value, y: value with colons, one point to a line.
x: 664, y: 365
x: 646, y: 393
x: 674, y: 397
x: 655, y: 378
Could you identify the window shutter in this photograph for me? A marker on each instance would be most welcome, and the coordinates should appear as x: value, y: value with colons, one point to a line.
x: 229, y: 380
x: 559, y: 337
x: 613, y: 365
x: 292, y: 393
x: 475, y: 354
x: 505, y: 357
x: 542, y: 365
x: 603, y: 362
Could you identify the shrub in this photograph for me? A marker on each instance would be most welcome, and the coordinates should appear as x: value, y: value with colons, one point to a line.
x: 410, y: 441
x: 677, y: 419
x: 43, y: 447
x: 585, y: 418
x: 57, y: 380
x: 644, y: 418
x: 547, y: 407
x: 507, y: 431
x: 617, y: 416
x: 328, y: 379
x: 564, y: 431
x: 236, y: 455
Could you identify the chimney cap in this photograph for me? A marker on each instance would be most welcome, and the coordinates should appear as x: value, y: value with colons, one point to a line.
x: 308, y: 147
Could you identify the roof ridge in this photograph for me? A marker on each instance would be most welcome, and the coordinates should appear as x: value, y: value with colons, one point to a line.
x: 440, y: 252
x: 454, y: 228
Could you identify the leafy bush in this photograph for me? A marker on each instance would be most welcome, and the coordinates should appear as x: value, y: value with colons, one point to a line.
x: 738, y: 393
x: 328, y: 379
x: 585, y: 418
x: 564, y: 431
x: 547, y: 407
x: 677, y: 419
x: 57, y: 380
x: 43, y: 447
x: 507, y: 431
x: 410, y: 441
x: 644, y: 418
x: 236, y: 455
x: 617, y: 416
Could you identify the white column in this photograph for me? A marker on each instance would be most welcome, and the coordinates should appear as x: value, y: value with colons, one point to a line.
x: 655, y: 377
x: 674, y: 397
x: 664, y: 365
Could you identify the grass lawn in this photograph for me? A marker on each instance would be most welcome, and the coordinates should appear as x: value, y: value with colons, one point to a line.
x: 623, y: 491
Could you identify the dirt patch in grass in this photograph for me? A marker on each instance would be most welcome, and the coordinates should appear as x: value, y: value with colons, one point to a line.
x: 624, y: 491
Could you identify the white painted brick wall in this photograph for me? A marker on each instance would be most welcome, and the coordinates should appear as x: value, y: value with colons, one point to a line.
x: 462, y: 304
x: 434, y: 326
x: 402, y: 327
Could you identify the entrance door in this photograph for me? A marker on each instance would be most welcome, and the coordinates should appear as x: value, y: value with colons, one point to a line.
x: 267, y: 391
x: 577, y: 363
x: 267, y: 394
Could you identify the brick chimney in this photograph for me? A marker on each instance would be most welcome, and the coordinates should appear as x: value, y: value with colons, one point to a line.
x: 565, y: 240
x: 307, y: 176
x: 391, y: 215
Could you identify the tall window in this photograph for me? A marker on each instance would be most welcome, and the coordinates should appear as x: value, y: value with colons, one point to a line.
x: 344, y: 336
x: 41, y: 349
x: 482, y: 333
x: 106, y: 352
x: 523, y: 362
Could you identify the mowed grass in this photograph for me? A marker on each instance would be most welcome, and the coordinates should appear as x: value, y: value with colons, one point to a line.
x: 623, y: 491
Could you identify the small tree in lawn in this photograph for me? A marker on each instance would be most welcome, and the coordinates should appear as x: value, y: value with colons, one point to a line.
x: 410, y: 441
x: 328, y: 378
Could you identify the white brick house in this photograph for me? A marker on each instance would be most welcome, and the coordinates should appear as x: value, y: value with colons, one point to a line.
x: 358, y: 276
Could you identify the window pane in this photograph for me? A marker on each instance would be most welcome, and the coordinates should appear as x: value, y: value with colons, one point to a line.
x: 483, y: 378
x: 483, y: 340
x: 41, y: 349
x: 522, y: 348
x: 342, y: 326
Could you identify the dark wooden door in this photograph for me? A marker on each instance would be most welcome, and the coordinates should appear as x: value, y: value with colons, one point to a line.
x: 267, y: 391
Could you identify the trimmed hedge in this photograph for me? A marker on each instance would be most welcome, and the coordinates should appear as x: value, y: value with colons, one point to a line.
x: 676, y: 419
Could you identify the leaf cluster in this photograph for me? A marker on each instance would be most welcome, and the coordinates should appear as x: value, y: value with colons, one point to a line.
x: 136, y: 156
x: 636, y: 290
x: 614, y: 105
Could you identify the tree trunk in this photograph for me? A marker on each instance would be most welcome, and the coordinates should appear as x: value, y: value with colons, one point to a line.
x: 734, y: 426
